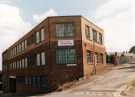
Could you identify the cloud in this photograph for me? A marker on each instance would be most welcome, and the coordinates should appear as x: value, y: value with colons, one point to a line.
x: 12, y: 26
x: 9, y: 1
x: 117, y: 18
x: 40, y: 17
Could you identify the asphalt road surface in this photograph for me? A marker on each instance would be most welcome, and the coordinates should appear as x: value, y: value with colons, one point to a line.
x: 104, y: 85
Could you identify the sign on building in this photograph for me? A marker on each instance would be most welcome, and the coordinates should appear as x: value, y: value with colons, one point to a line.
x: 65, y: 42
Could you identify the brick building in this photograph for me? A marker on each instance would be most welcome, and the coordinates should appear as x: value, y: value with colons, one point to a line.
x: 59, y: 49
x: 0, y: 80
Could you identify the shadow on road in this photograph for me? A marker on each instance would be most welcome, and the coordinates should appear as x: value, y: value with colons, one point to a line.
x: 22, y: 95
x: 128, y: 67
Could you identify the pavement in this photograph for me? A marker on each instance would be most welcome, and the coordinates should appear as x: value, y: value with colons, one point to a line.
x: 109, y: 84
x: 129, y: 92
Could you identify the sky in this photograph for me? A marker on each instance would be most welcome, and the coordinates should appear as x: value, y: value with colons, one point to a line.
x: 116, y: 17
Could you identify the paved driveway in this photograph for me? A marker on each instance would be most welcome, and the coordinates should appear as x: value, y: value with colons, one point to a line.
x: 105, y: 85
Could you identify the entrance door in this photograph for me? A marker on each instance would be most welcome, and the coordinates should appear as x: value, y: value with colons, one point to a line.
x: 12, y: 84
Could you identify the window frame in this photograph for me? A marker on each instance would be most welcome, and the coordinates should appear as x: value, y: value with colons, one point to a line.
x: 63, y: 34
x: 95, y: 36
x: 42, y: 34
x: 41, y: 59
x: 38, y: 38
x: 100, y: 38
x: 61, y: 60
x: 90, y: 57
x: 87, y: 32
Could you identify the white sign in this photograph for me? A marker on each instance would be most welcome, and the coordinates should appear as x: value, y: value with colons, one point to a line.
x: 12, y: 76
x: 65, y: 42
x: 71, y: 64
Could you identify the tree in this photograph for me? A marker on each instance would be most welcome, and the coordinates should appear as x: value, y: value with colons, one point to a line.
x: 132, y: 50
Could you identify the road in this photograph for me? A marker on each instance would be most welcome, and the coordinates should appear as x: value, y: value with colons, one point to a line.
x: 104, y: 85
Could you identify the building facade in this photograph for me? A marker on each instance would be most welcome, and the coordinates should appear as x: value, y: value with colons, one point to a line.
x: 58, y: 50
x: 0, y: 80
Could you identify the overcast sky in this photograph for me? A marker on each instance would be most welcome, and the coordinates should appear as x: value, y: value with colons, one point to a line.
x: 116, y: 17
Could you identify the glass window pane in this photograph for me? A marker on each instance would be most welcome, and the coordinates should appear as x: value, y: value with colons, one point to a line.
x: 37, y: 37
x: 94, y: 35
x: 100, y: 38
x: 68, y: 29
x: 42, y: 34
x: 26, y: 62
x: 87, y: 32
x: 64, y: 30
x: 25, y: 43
x: 38, y: 59
x: 59, y: 30
x: 65, y: 56
x: 23, y: 63
x: 43, y: 58
x: 20, y: 64
x: 71, y: 56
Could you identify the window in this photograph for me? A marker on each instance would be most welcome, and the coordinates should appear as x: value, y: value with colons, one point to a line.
x: 20, y: 64
x: 38, y: 59
x: 42, y: 34
x: 14, y: 65
x: 26, y: 62
x: 65, y: 56
x: 89, y: 57
x: 60, y: 30
x: 25, y: 43
x: 41, y: 58
x: 44, y: 79
x: 11, y: 53
x: 31, y: 39
x: 20, y: 49
x: 87, y: 32
x: 10, y: 66
x: 28, y: 80
x: 23, y: 63
x: 17, y: 64
x: 36, y: 81
x: 100, y: 38
x: 37, y: 37
x: 64, y: 30
x: 15, y: 50
x: 94, y: 35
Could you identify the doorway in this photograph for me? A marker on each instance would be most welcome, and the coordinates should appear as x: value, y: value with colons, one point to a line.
x: 12, y: 85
